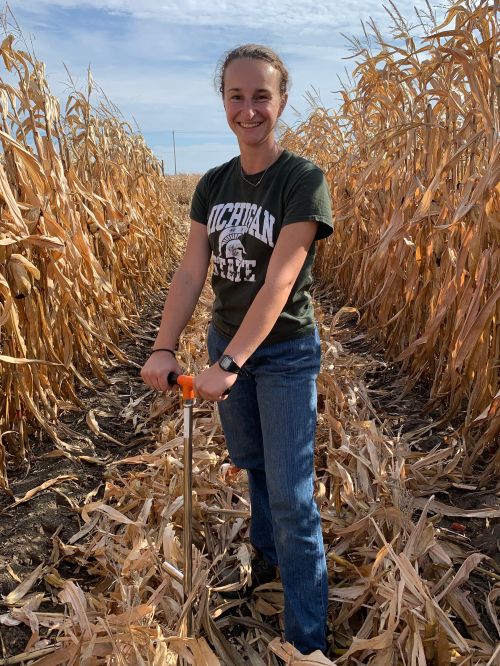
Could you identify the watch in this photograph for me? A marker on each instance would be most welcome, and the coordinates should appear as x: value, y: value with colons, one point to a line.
x: 228, y: 364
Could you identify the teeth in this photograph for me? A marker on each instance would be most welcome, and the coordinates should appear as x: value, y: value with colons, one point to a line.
x: 249, y: 125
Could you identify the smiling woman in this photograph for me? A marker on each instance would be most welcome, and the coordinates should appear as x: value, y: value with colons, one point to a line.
x: 259, y: 216
x: 253, y: 105
x: 253, y: 82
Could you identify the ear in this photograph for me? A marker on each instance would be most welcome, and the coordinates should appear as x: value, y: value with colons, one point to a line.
x: 284, y: 100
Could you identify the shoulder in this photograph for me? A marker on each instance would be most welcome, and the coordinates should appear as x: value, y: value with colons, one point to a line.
x: 297, y: 165
x: 215, y: 174
x: 213, y: 181
x: 306, y: 194
x: 300, y: 173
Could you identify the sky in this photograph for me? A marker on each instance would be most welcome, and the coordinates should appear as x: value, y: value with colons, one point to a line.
x: 155, y: 59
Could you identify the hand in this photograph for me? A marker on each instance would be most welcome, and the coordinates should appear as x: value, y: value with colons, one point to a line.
x: 155, y: 370
x: 213, y: 382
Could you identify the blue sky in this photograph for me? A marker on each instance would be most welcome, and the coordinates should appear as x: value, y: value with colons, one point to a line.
x: 155, y: 59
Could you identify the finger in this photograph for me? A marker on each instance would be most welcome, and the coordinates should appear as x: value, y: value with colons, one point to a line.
x: 152, y: 381
x: 217, y: 398
x: 208, y: 396
x: 159, y: 383
x: 172, y: 388
x: 149, y: 382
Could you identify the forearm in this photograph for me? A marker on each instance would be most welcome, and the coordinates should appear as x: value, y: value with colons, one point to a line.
x: 284, y: 268
x: 259, y: 320
x: 178, y: 308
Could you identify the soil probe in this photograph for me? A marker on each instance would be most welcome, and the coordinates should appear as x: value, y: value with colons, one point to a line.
x: 186, y: 384
x: 186, y: 578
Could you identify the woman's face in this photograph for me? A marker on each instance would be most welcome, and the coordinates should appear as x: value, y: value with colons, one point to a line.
x: 252, y: 100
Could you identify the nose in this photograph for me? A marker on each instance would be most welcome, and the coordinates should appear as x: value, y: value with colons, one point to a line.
x: 248, y: 109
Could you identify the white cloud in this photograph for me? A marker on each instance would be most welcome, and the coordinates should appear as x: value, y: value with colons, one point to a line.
x: 155, y: 58
x: 272, y: 16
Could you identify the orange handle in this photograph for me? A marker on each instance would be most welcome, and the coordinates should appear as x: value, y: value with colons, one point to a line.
x: 186, y: 382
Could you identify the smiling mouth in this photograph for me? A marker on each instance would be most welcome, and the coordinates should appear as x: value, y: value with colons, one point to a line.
x: 249, y: 125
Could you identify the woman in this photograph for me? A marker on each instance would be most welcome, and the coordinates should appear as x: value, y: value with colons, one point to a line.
x: 259, y: 215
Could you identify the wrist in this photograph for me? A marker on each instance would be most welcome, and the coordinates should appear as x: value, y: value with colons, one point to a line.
x: 167, y: 343
x: 228, y: 364
x: 162, y: 350
x: 240, y: 358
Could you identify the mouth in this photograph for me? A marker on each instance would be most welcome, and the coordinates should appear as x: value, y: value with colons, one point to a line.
x: 249, y: 125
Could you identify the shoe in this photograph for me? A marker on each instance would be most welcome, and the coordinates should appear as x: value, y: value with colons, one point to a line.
x: 290, y: 655
x: 261, y: 572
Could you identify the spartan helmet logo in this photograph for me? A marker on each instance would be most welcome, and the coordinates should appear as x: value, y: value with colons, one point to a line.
x: 235, y: 249
x: 230, y: 242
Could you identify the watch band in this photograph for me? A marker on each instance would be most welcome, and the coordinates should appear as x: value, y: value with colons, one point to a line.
x: 228, y: 364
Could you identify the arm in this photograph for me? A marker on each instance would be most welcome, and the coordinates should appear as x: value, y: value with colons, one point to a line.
x: 180, y: 303
x: 284, y: 267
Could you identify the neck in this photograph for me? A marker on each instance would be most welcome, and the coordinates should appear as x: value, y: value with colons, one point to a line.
x: 254, y: 159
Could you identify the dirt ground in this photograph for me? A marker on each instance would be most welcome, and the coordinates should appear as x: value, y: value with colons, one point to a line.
x: 31, y: 530
x: 28, y: 530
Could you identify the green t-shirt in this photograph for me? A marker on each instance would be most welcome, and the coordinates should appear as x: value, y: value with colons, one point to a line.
x: 243, y: 224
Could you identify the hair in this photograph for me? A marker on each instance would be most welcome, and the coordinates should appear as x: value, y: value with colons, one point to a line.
x: 257, y: 52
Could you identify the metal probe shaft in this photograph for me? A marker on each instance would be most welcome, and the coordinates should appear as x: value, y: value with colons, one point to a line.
x: 188, y: 508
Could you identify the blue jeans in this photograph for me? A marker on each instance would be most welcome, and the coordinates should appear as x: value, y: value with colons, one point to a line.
x: 269, y: 422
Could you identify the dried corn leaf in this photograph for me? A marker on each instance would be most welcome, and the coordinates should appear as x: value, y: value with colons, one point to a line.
x: 445, y: 510
x: 22, y: 590
x: 43, y: 486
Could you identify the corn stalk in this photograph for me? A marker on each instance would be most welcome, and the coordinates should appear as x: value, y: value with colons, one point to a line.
x: 86, y: 232
x: 413, y: 161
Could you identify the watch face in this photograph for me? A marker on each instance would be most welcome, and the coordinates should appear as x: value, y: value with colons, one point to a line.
x: 227, y: 363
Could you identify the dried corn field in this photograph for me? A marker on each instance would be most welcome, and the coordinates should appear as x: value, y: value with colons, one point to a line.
x: 413, y: 159
x: 83, y: 202
x: 406, y: 459
x: 401, y: 569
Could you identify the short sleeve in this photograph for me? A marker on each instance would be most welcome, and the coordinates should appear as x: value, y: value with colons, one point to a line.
x: 199, y: 202
x: 307, y: 198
